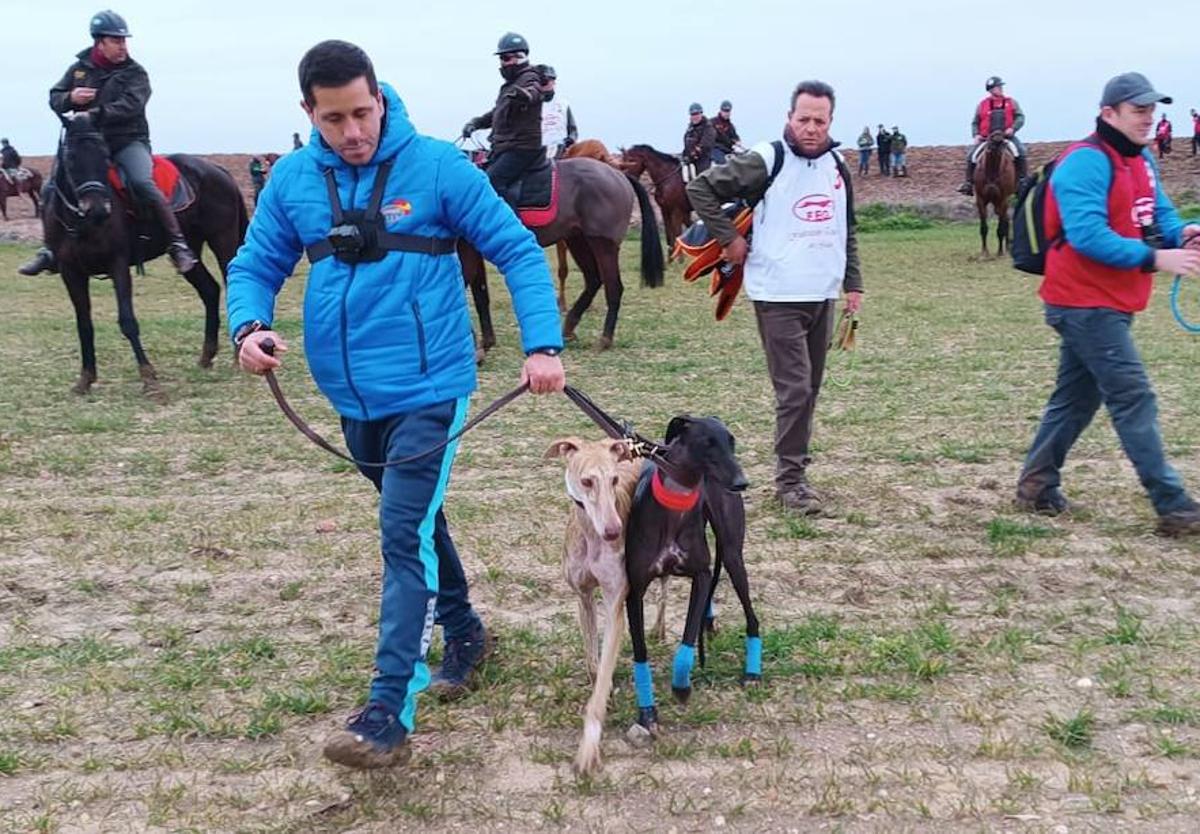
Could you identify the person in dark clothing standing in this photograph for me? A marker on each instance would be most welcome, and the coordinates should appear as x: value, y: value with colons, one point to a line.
x: 258, y: 177
x: 112, y: 90
x: 883, y: 146
x: 296, y: 143
x: 698, y: 140
x: 727, y: 140
x: 516, y: 119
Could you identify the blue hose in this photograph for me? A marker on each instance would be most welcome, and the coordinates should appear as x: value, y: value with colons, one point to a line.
x: 1184, y: 323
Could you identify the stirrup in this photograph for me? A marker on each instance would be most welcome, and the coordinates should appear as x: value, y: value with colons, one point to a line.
x: 182, y: 256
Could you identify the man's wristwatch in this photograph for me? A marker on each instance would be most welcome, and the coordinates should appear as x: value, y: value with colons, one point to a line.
x: 548, y: 351
x: 246, y: 329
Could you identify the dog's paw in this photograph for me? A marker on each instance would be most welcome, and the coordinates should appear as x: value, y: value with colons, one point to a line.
x: 750, y: 680
x: 681, y: 694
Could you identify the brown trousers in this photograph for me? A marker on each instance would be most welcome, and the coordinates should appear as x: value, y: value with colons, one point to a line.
x: 795, y: 337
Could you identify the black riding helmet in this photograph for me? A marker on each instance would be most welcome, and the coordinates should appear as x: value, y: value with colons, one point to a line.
x: 108, y: 23
x: 994, y: 81
x: 512, y: 42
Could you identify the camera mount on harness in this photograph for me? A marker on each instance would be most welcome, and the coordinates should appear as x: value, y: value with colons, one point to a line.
x: 361, y: 235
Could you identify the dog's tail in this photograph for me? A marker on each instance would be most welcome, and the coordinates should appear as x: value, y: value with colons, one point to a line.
x: 712, y: 590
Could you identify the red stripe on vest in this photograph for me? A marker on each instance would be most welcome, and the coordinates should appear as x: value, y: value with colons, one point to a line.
x: 679, y: 502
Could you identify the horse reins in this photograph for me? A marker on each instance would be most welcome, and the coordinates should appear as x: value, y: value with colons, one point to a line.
x: 639, y: 446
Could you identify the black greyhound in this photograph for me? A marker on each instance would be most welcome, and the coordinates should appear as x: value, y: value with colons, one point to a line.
x: 700, y: 484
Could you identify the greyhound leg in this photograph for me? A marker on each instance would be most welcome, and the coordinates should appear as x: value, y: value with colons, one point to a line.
x: 729, y: 527
x: 685, y: 655
x: 643, y: 678
x: 587, y: 760
x: 660, y: 620
x: 710, y: 610
x: 587, y: 628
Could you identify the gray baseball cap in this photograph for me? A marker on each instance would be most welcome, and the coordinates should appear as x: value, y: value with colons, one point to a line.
x: 1132, y: 87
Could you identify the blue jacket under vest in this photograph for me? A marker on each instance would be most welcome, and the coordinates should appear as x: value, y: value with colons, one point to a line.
x: 391, y: 336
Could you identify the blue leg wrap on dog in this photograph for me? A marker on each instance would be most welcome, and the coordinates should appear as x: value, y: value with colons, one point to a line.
x: 643, y: 684
x: 753, y: 655
x: 685, y: 659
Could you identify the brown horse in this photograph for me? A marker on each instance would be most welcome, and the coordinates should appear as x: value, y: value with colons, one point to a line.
x: 595, y: 208
x: 90, y: 233
x: 30, y: 184
x: 592, y: 149
x: 995, y: 183
x: 667, y: 178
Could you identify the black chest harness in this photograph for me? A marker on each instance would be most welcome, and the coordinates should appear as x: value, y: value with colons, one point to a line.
x: 361, y: 236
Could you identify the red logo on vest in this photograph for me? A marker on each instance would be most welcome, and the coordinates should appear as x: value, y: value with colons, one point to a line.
x: 1142, y: 212
x: 814, y: 208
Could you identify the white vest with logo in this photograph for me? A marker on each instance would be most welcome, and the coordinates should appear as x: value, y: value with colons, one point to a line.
x: 800, y: 228
x: 554, y: 122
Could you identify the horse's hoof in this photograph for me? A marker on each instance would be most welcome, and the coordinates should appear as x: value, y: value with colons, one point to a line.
x: 681, y: 695
x: 82, y: 387
x: 604, y: 343
x: 206, y: 356
x: 751, y: 680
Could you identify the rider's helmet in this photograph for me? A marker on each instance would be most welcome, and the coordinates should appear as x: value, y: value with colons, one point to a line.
x: 109, y: 23
x: 512, y: 42
x: 727, y: 105
x: 3, y: 141
x: 695, y: 108
x: 994, y: 81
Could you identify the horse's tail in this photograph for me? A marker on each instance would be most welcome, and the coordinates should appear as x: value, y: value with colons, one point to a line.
x: 652, y: 247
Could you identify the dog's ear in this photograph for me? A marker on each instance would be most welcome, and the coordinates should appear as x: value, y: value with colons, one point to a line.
x: 620, y: 450
x: 564, y: 447
x: 676, y: 427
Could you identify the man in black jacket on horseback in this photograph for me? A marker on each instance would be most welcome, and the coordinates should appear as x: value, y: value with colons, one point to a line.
x: 516, y: 119
x: 112, y: 90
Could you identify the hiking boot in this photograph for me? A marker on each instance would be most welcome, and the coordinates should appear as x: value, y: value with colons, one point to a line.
x: 182, y: 257
x: 1184, y: 522
x: 1050, y: 503
x: 461, y: 660
x: 373, y: 737
x: 801, y: 498
x: 967, y: 189
x: 43, y: 261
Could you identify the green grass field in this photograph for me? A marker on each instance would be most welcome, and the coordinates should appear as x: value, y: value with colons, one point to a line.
x: 188, y: 592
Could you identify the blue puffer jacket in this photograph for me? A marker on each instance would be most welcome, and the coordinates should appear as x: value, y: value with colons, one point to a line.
x: 391, y: 336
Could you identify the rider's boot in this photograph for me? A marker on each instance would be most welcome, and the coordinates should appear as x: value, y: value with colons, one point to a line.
x: 180, y: 253
x: 968, y: 187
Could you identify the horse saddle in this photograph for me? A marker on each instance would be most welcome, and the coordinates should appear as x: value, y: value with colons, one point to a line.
x: 978, y: 153
x: 535, y: 195
x: 16, y: 175
x: 174, y: 186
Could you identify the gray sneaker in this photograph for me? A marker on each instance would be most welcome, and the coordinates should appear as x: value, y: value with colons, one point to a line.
x: 1184, y: 522
x: 801, y: 498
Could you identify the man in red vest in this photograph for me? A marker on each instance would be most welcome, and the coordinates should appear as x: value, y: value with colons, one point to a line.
x: 1116, y: 227
x: 997, y: 112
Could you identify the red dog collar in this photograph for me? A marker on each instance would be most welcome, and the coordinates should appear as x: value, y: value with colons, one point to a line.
x: 679, y: 502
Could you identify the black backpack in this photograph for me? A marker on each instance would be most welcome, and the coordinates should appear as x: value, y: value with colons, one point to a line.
x: 1029, y: 242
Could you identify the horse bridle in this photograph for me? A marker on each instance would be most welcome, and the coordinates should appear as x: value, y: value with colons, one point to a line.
x: 639, y: 446
x: 63, y: 170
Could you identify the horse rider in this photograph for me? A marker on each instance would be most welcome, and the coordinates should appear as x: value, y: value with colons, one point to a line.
x: 112, y: 89
x: 997, y: 112
x: 10, y: 160
x: 698, y: 140
x: 558, y: 122
x: 515, y: 120
x: 727, y: 140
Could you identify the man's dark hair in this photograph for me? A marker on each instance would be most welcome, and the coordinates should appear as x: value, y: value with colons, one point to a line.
x: 817, y: 89
x: 334, y: 64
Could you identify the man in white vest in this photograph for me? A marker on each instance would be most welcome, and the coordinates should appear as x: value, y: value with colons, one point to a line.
x: 558, y: 122
x: 804, y: 255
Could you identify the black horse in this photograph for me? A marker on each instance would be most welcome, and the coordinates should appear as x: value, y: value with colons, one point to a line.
x: 93, y: 232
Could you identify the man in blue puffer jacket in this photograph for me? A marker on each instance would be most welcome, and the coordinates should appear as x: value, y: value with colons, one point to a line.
x: 388, y: 340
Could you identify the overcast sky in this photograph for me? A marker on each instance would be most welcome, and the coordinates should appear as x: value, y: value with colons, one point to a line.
x: 224, y: 73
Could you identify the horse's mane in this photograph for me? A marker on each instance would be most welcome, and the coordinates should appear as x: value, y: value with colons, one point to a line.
x: 662, y: 157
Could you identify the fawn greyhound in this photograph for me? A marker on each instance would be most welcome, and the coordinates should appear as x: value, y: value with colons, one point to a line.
x: 699, y: 483
x: 600, y: 477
